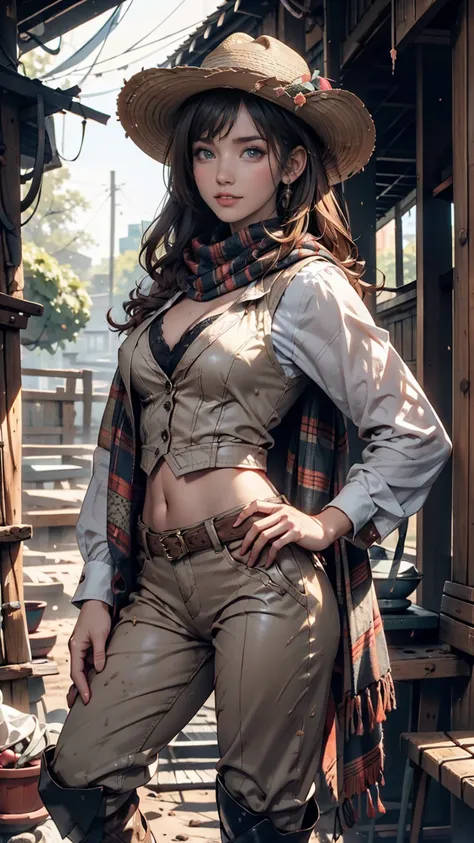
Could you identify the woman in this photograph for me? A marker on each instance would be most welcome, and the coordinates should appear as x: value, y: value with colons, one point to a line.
x: 253, y: 336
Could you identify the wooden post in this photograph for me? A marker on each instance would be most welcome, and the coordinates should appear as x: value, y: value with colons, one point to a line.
x: 87, y: 401
x: 17, y: 649
x: 463, y: 329
x: 463, y: 179
x: 434, y: 302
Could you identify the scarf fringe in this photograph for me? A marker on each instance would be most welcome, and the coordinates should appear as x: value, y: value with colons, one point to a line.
x: 362, y: 712
x: 348, y: 814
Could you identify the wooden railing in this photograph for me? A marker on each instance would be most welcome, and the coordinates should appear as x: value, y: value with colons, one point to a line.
x: 49, y: 413
x: 398, y: 317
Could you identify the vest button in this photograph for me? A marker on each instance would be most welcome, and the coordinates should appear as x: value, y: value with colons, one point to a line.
x: 168, y: 387
x: 164, y: 435
x: 167, y: 406
x: 157, y: 451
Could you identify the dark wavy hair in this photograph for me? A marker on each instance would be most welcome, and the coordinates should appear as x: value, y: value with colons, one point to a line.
x: 314, y: 206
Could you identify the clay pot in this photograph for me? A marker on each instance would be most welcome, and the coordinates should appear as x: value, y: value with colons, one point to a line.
x: 19, y: 789
x: 34, y: 613
x: 41, y: 643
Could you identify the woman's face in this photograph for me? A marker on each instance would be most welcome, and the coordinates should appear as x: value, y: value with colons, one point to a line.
x: 238, y: 176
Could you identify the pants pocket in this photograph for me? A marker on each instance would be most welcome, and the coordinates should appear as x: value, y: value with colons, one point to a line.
x: 284, y: 575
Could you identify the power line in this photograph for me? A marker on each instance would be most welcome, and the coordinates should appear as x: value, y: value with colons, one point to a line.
x: 83, y: 230
x: 112, y: 27
x: 173, y: 11
x: 178, y: 32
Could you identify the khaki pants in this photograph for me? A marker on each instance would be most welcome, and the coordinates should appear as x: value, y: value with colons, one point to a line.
x: 264, y: 640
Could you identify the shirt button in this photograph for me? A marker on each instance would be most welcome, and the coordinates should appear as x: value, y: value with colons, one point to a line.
x: 164, y: 435
x: 168, y: 387
x: 167, y: 406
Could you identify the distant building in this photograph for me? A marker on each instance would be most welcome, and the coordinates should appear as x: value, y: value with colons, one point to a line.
x: 133, y: 239
x: 79, y: 263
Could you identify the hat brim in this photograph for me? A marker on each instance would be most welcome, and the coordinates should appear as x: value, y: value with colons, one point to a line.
x: 148, y: 103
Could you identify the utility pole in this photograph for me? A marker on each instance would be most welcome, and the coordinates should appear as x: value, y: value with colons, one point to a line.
x: 112, y: 238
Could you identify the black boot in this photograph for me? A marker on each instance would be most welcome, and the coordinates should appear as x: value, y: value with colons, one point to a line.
x: 78, y: 812
x: 73, y: 809
x: 239, y: 825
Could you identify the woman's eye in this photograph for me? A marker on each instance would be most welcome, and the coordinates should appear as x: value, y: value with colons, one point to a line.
x: 254, y: 152
x: 202, y: 154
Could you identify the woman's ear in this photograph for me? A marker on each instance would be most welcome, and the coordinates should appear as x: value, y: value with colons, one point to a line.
x: 296, y: 164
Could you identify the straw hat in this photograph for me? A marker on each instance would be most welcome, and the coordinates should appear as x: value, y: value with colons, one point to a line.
x: 264, y: 66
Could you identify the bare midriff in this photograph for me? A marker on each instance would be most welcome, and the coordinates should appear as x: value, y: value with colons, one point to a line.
x: 174, y: 502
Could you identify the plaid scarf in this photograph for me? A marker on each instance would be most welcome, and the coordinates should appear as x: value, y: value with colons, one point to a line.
x: 308, y: 465
x: 224, y: 265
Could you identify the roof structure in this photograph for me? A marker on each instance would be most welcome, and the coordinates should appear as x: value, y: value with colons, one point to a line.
x: 48, y: 19
x: 230, y: 16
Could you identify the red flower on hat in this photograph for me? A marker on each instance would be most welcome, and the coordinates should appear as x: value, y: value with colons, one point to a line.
x: 324, y: 84
x: 299, y: 100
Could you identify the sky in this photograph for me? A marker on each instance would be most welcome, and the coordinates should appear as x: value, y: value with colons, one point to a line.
x: 139, y: 178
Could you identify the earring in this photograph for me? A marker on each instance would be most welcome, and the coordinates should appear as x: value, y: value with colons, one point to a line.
x: 286, y: 198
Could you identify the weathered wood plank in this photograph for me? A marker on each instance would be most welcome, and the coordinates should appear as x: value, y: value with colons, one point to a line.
x: 458, y: 609
x: 412, y: 663
x: 460, y: 591
x: 457, y: 634
x: 53, y: 517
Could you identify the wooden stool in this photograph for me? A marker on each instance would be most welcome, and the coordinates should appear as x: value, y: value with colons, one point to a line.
x: 447, y: 757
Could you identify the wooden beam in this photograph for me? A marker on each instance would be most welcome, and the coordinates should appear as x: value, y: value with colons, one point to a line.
x: 356, y: 39
x: 15, y: 636
x: 291, y: 30
x: 333, y: 35
x: 463, y: 184
x: 411, y: 18
x: 434, y: 304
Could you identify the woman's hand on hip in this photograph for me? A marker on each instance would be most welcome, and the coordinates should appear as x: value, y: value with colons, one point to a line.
x: 90, y: 633
x: 283, y: 524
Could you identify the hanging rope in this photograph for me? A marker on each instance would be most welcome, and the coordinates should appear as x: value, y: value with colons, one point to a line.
x: 393, y: 49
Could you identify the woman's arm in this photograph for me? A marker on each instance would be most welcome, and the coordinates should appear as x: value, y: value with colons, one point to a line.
x: 322, y: 327
x: 91, y: 534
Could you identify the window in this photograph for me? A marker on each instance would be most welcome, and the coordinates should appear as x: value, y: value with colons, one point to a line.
x: 385, y: 245
x: 396, y: 247
x: 408, y: 223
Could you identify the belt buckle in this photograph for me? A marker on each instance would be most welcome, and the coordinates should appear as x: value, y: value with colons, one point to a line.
x: 184, y: 550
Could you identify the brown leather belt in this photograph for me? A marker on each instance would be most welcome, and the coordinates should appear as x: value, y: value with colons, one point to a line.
x: 176, y: 544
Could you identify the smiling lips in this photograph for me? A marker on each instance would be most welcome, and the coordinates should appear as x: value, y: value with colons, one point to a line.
x: 227, y: 199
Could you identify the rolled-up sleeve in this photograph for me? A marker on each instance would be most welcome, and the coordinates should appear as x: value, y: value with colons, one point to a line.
x: 91, y: 532
x: 333, y: 339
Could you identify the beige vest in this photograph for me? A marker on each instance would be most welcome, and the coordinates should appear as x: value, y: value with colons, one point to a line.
x: 226, y: 394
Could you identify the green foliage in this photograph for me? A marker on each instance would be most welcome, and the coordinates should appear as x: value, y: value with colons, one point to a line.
x: 386, y: 264
x: 59, y: 290
x: 53, y: 226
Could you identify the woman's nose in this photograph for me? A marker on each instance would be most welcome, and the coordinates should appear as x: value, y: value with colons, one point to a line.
x: 224, y: 175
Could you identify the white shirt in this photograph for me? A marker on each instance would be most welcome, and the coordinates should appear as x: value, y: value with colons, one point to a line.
x: 322, y: 328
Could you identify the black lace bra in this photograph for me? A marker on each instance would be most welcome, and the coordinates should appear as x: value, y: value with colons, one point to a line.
x: 167, y: 358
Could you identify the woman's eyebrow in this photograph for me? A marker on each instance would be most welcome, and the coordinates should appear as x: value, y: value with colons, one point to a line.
x: 248, y: 139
